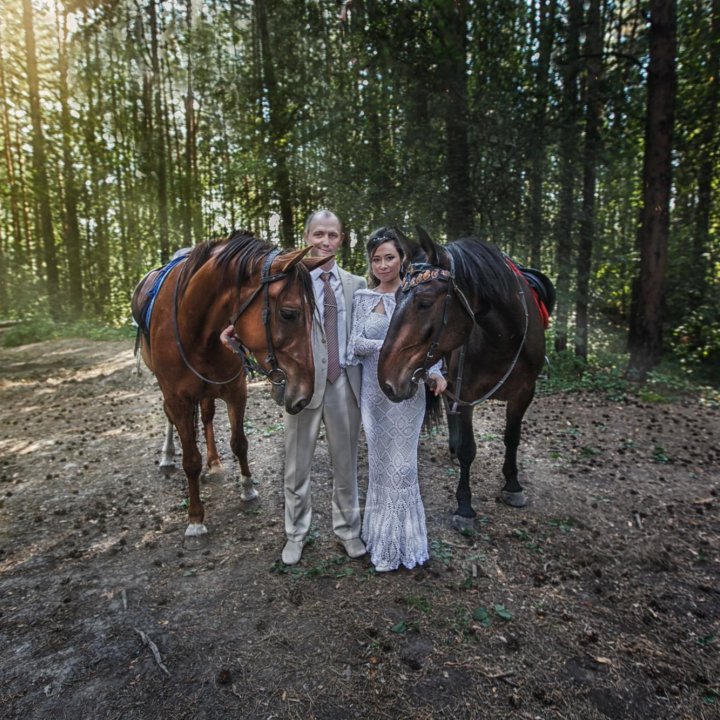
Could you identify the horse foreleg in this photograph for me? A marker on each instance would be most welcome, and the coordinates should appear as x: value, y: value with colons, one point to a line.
x: 512, y: 493
x: 183, y: 415
x: 167, y: 457
x: 453, y: 421
x: 239, y: 443
x: 466, y: 449
x: 207, y: 415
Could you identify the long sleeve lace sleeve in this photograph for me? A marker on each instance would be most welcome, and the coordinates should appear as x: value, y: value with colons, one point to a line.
x: 436, y: 369
x: 360, y: 346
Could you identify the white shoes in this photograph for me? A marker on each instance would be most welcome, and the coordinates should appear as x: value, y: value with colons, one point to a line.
x: 292, y: 552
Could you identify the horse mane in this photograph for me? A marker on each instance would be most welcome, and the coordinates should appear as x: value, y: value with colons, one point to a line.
x: 240, y: 245
x: 236, y: 257
x: 243, y: 251
x: 480, y: 269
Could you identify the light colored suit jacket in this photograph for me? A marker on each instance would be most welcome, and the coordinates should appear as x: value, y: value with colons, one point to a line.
x: 350, y: 283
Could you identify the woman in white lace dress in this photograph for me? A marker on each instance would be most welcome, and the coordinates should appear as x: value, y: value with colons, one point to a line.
x: 394, y: 522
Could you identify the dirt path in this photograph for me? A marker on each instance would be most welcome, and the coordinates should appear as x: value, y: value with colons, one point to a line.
x: 600, y: 599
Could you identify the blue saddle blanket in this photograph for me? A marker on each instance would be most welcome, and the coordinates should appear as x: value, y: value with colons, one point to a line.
x: 160, y: 278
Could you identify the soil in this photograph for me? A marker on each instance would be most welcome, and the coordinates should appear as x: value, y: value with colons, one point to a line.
x: 600, y: 599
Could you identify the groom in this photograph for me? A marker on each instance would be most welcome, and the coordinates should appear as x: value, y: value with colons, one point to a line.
x: 335, y: 401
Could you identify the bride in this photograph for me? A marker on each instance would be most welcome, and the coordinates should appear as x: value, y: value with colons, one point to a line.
x: 394, y: 528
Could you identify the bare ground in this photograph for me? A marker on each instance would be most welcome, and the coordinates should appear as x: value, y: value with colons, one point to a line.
x: 599, y: 600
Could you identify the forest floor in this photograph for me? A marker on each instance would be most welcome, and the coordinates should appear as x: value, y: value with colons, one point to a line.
x: 600, y: 599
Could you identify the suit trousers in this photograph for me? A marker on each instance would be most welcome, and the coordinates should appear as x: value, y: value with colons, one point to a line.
x: 340, y: 414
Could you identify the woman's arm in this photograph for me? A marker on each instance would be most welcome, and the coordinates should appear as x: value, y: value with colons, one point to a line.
x: 358, y: 345
x: 435, y: 380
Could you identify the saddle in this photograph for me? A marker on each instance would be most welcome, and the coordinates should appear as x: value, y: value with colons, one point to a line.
x: 541, y: 285
x: 143, y: 299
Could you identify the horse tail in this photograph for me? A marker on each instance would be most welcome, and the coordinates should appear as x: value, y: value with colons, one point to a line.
x: 433, y: 411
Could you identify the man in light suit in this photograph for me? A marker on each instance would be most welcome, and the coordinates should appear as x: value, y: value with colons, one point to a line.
x: 335, y: 403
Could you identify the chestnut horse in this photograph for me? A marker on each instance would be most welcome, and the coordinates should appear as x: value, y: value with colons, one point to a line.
x: 267, y: 297
x: 470, y: 304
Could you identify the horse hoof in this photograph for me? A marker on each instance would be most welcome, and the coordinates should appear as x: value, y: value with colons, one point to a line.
x: 513, y: 499
x: 463, y: 524
x: 167, y: 468
x: 249, y: 495
x: 196, y: 537
x: 216, y: 470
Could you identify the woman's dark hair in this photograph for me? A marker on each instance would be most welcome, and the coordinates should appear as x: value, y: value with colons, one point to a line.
x: 380, y: 237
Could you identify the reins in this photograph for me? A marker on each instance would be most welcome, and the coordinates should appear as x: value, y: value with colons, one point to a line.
x: 420, y: 273
x: 276, y: 375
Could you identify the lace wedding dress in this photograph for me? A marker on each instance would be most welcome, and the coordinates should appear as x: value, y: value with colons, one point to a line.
x: 393, y: 528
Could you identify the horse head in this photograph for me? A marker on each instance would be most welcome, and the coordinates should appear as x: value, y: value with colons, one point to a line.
x: 431, y: 319
x: 274, y: 323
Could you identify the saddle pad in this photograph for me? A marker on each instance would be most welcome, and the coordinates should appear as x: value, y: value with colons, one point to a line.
x: 163, y: 272
x: 541, y: 286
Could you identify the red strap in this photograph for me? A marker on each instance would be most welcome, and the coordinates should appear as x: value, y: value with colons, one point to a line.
x: 544, y: 315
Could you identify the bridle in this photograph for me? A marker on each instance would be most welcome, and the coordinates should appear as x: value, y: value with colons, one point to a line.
x: 276, y: 375
x: 420, y: 273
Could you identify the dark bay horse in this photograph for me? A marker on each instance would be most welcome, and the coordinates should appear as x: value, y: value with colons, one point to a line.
x: 267, y: 297
x: 468, y: 303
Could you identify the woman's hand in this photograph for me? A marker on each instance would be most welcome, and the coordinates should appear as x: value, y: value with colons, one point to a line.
x: 437, y: 383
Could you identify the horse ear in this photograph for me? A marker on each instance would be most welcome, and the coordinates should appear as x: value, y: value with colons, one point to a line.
x: 284, y: 262
x: 427, y: 244
x: 410, y: 247
x: 312, y: 262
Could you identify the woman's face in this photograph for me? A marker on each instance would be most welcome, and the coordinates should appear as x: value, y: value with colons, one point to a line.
x: 386, y: 262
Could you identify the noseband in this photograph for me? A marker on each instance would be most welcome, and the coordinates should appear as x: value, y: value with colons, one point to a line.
x: 420, y: 273
x: 276, y: 375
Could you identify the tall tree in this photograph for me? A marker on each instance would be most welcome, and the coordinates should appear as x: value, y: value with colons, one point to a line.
x: 591, y: 150
x: 157, y: 131
x: 71, y: 226
x: 41, y: 183
x: 707, y: 146
x: 564, y: 222
x: 536, y: 137
x: 452, y: 23
x: 646, y: 321
x: 279, y: 118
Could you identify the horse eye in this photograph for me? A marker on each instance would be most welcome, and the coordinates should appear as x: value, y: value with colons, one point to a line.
x: 424, y: 302
x: 289, y: 314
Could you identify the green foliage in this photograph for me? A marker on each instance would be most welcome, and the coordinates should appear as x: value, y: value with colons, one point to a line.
x: 482, y: 615
x: 660, y: 455
x: 40, y: 329
x: 696, y: 340
x: 441, y: 551
x: 357, y: 116
x: 399, y: 627
x: 335, y: 568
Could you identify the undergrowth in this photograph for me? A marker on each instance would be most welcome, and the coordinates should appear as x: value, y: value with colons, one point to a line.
x: 40, y: 329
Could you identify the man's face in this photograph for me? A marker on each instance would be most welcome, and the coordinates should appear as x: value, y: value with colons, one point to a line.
x: 324, y: 236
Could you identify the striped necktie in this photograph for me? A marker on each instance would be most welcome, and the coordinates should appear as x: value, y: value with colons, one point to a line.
x: 330, y: 321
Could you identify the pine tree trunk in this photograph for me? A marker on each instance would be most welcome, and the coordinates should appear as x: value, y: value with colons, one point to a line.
x: 71, y: 227
x: 158, y: 135
x: 41, y: 185
x: 278, y: 129
x: 646, y: 322
x: 564, y: 223
x: 10, y: 171
x: 537, y: 149
x: 593, y: 110
x: 460, y: 207
x: 708, y: 145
